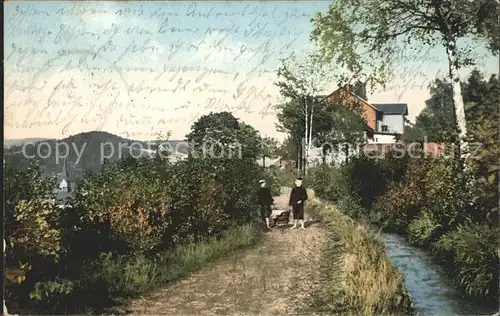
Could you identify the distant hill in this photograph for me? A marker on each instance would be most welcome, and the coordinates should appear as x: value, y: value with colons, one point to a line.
x: 7, y: 143
x: 95, y: 145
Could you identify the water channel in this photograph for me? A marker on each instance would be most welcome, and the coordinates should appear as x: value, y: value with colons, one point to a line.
x: 431, y: 289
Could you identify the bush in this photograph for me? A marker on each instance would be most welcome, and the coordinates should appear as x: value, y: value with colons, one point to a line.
x: 327, y: 182
x: 422, y: 230
x: 364, y: 180
x: 272, y: 180
x: 447, y: 196
x: 132, y: 209
x: 474, y: 255
x: 130, y: 202
x: 33, y: 235
x: 403, y: 200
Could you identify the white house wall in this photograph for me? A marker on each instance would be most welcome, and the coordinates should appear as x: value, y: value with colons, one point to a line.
x: 382, y: 139
x: 394, y: 122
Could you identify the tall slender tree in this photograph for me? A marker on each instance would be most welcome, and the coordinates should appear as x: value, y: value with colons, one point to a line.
x: 300, y: 81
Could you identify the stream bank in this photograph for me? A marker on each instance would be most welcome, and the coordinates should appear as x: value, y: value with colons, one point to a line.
x: 431, y: 289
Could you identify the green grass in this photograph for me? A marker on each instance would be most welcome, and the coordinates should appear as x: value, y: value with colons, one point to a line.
x: 112, y: 280
x: 357, y: 277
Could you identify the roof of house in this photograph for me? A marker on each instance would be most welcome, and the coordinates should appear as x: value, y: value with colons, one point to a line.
x: 323, y: 97
x: 392, y: 108
x: 268, y: 161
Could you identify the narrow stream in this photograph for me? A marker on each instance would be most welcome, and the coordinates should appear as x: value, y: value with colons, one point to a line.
x: 432, y: 291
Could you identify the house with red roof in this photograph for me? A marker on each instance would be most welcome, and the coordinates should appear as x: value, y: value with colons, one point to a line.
x: 385, y: 121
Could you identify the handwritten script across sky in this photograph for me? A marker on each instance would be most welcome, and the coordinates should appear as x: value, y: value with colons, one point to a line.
x: 142, y: 68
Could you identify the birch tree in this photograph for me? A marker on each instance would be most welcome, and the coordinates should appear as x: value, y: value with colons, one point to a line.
x: 365, y: 36
x: 301, y: 80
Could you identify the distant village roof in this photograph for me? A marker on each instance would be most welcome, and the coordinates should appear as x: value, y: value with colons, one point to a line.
x: 392, y: 108
x: 268, y: 162
x: 177, y: 156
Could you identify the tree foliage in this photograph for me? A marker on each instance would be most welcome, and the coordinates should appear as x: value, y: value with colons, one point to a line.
x: 33, y: 232
x: 437, y: 119
x: 223, y: 134
x: 364, y: 36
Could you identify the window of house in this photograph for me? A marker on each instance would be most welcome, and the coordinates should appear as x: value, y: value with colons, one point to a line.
x: 385, y: 128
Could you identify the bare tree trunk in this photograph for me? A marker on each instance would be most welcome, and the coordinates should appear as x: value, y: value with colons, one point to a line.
x: 305, y: 137
x: 458, y: 103
x: 310, y: 133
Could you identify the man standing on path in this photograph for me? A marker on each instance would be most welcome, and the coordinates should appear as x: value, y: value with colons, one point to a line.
x: 265, y: 201
x: 297, y: 198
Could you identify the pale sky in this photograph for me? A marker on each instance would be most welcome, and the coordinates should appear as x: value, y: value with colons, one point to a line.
x: 137, y: 69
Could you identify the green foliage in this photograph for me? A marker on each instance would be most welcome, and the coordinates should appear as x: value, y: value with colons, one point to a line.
x: 33, y: 232
x: 340, y: 124
x: 117, y: 276
x: 446, y: 192
x: 270, y: 147
x: 437, y: 119
x: 365, y: 37
x: 364, y: 180
x: 484, y: 97
x: 403, y: 200
x: 421, y: 231
x: 221, y: 134
x: 273, y: 183
x: 130, y: 199
x: 474, y: 255
x: 327, y: 182
x: 301, y: 116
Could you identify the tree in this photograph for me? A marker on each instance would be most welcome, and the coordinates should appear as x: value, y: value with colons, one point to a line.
x: 343, y: 127
x: 301, y: 81
x: 482, y: 99
x: 223, y: 134
x: 437, y: 119
x: 288, y: 150
x: 269, y: 149
x: 365, y: 36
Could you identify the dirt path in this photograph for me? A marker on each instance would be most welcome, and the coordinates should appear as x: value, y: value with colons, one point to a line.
x: 274, y: 278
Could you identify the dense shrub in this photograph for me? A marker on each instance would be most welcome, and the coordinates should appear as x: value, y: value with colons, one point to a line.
x: 134, y: 209
x: 447, y: 196
x: 273, y: 182
x: 403, y: 200
x: 130, y: 200
x: 422, y: 230
x: 327, y: 182
x: 33, y: 235
x: 474, y: 255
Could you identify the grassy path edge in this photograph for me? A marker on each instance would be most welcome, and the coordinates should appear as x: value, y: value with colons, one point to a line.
x: 356, y: 275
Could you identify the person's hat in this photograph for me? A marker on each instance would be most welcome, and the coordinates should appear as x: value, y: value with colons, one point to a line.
x: 299, y: 179
x: 262, y: 181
